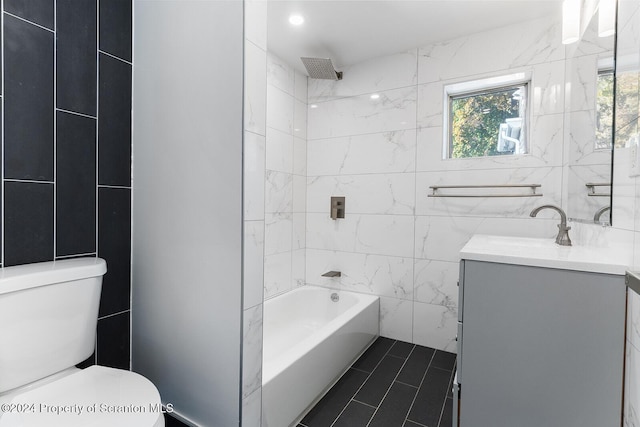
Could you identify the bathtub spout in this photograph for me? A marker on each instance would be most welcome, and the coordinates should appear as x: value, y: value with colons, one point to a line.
x: 332, y: 274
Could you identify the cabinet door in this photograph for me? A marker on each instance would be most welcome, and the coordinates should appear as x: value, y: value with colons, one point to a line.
x: 541, y: 347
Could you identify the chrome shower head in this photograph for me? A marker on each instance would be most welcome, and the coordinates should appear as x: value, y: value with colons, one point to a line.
x: 321, y: 68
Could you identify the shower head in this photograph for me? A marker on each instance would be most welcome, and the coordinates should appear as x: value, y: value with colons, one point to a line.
x: 321, y: 68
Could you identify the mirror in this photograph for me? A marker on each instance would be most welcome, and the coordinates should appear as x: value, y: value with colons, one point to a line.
x: 589, y: 83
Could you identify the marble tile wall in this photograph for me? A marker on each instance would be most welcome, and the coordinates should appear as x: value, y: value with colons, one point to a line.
x: 383, y: 152
x: 255, y: 131
x: 285, y: 178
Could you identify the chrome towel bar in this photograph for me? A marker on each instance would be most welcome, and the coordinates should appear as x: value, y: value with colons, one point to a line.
x: 435, y: 190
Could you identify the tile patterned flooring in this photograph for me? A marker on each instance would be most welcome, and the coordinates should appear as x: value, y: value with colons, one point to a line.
x: 393, y: 384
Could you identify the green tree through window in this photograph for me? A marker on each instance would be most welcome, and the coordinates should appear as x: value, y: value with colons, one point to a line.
x: 478, y: 120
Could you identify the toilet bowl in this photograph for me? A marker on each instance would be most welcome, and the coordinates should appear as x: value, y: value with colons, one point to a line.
x: 48, y: 317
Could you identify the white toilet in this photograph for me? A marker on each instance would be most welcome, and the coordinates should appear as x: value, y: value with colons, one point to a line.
x: 48, y: 317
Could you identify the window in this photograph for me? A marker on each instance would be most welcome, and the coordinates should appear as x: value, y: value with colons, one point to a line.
x: 487, y: 119
x: 626, y: 103
x: 604, y: 110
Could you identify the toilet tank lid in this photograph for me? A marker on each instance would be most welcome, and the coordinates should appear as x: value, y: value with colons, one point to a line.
x: 21, y: 277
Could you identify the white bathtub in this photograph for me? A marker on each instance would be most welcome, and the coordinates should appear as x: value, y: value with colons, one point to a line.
x: 309, y: 342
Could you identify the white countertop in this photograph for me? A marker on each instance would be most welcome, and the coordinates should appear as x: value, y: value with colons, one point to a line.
x: 543, y: 253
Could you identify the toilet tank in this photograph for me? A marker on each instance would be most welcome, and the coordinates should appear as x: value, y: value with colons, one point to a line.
x: 48, y: 317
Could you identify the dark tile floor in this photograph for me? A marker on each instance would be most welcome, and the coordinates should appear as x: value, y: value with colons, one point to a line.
x: 393, y: 384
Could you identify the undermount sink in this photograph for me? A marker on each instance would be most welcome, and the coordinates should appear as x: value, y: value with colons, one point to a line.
x: 544, y: 253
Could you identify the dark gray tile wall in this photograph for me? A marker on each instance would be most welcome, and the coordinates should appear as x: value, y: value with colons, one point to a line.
x: 66, y: 171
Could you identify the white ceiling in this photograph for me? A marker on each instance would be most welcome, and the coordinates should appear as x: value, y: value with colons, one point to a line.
x: 352, y: 31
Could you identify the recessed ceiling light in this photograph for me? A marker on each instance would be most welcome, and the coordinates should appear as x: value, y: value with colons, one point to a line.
x: 375, y: 96
x: 296, y: 19
x: 313, y: 106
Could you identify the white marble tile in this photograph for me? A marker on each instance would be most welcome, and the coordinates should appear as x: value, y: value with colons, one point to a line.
x: 578, y: 203
x: 299, y: 156
x: 254, y: 172
x: 298, y: 267
x: 436, y: 282
x: 431, y: 104
x: 252, y: 350
x: 300, y: 90
x: 255, y: 22
x: 547, y: 88
x: 255, y: 99
x: 253, y: 263
x: 386, y: 152
x: 277, y: 274
x: 545, y: 226
x: 396, y: 318
x: 299, y: 193
x: 299, y: 231
x: 383, y: 73
x: 300, y: 119
x: 370, y: 274
x: 279, y: 109
x: 364, y: 194
x: 524, y: 43
x: 624, y: 190
x: 581, y: 84
x: 550, y: 179
x: 632, y: 389
x: 280, y: 74
x: 580, y: 132
x: 252, y: 409
x: 279, y: 152
x: 392, y: 110
x: 590, y: 43
x: 633, y: 319
x: 278, y: 195
x: 435, y: 326
x: 546, y: 144
x: 442, y: 237
x: 370, y: 234
x: 278, y: 233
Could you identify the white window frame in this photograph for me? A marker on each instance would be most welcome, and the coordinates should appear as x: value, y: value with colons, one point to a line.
x: 479, y: 86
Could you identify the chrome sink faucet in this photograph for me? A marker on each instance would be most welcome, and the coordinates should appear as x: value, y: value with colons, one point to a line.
x: 599, y: 212
x: 562, y: 238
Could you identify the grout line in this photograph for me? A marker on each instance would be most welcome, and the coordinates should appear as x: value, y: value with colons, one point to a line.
x: 97, y: 105
x: 114, y: 314
x: 2, y: 170
x: 408, y: 385
x: 389, y: 389
x: 76, y: 113
x: 359, y: 370
x: 120, y: 187
x: 362, y: 385
x: 55, y: 130
x: 75, y: 255
x: 28, y: 181
x: 420, y: 386
x: 362, y: 403
x: 113, y: 56
x: 33, y: 23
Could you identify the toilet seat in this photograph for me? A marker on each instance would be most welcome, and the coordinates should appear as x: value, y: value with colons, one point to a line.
x: 93, y: 397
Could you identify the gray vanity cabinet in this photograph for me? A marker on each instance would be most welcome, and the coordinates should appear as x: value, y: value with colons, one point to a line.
x: 539, y: 347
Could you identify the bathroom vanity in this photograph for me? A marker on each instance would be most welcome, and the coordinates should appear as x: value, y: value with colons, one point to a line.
x: 541, y: 335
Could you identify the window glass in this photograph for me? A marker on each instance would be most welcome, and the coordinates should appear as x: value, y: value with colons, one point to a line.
x: 488, y: 122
